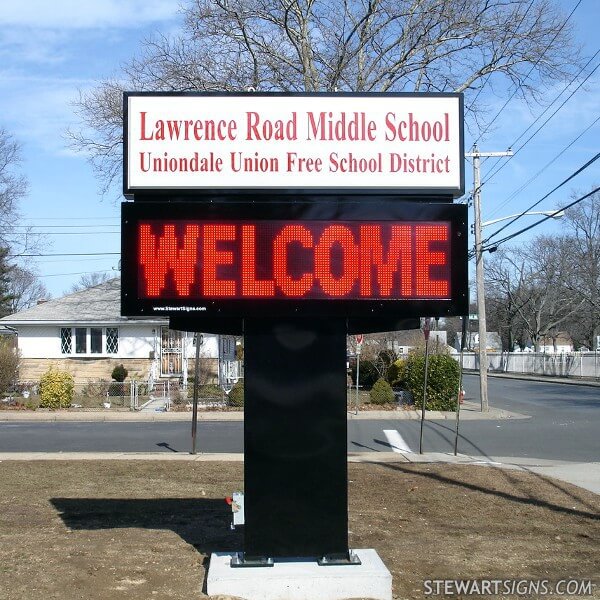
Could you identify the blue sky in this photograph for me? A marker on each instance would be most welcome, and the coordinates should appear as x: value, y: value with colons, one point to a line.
x: 50, y: 50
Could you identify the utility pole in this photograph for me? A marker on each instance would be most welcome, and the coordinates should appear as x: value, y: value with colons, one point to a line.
x: 479, y: 277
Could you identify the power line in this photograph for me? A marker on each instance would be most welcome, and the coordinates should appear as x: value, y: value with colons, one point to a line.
x: 529, y: 181
x: 74, y: 260
x: 470, y: 107
x: 47, y: 225
x: 562, y: 92
x: 514, y: 235
x: 494, y: 173
x: 580, y: 170
x: 565, y: 88
x: 65, y: 254
x: 71, y: 218
x: 80, y: 273
x: 64, y: 232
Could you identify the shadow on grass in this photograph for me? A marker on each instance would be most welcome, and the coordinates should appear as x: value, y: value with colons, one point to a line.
x: 440, y: 429
x: 204, y: 523
x: 505, y: 495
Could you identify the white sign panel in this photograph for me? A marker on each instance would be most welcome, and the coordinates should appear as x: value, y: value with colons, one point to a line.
x: 344, y: 142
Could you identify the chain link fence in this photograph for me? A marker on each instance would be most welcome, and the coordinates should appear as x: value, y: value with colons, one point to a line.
x: 101, y: 394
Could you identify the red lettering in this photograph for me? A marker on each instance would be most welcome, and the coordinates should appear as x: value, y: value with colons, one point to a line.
x: 250, y: 285
x: 157, y: 262
x: 291, y: 234
x: 399, y: 258
x: 143, y: 135
x: 425, y: 259
x: 273, y: 259
x: 336, y: 234
x: 213, y: 258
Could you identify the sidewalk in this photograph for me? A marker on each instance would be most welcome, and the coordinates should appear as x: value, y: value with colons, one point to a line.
x: 584, y: 475
x: 468, y: 411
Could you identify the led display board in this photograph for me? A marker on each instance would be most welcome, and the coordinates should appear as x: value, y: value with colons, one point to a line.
x: 321, y: 258
x: 409, y: 143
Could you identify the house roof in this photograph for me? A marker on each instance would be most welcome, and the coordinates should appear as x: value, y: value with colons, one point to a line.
x: 97, y: 304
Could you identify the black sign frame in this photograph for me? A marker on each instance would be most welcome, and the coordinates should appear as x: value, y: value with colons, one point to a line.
x: 332, y: 209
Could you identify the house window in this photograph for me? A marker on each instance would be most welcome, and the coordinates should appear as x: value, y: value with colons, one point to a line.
x: 89, y: 340
x: 112, y: 340
x: 80, y: 340
x: 66, y: 345
x: 96, y: 340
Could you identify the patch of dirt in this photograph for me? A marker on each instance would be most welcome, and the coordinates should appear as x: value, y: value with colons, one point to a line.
x: 143, y: 530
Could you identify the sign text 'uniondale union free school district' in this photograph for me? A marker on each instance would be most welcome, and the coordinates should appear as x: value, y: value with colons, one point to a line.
x: 318, y: 141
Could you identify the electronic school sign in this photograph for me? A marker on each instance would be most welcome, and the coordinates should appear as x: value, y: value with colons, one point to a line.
x: 325, y: 258
x: 399, y: 143
x: 308, y: 205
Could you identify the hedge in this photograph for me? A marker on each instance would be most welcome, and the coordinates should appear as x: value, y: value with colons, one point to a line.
x: 442, y: 380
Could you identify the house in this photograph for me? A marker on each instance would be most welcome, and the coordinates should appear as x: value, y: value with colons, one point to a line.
x: 559, y: 343
x: 493, y: 341
x: 85, y: 334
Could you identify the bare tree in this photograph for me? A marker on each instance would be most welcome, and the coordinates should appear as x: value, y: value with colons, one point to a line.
x: 336, y: 45
x: 25, y: 289
x: 89, y: 280
x: 506, y: 296
x: 532, y: 278
x: 13, y: 187
x: 14, y: 235
x: 582, y: 246
x: 5, y: 295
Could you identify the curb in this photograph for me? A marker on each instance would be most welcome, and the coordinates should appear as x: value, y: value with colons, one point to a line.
x: 469, y: 411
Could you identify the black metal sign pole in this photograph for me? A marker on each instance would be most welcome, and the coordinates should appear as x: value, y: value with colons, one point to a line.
x: 463, y: 343
x: 199, y: 340
x: 426, y: 327
x: 295, y: 440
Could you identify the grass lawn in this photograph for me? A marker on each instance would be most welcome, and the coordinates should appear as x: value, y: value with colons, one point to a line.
x: 98, y: 530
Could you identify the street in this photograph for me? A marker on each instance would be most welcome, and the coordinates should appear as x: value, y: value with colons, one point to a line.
x: 563, y: 423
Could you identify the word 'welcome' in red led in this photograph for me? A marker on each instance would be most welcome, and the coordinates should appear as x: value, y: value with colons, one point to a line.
x: 300, y: 260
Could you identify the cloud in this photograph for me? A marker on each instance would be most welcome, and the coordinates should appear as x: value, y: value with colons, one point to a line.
x: 86, y: 14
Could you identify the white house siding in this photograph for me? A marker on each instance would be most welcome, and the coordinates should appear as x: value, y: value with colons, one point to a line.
x: 139, y: 349
x: 40, y: 349
x: 209, y: 348
x: 43, y: 341
x: 39, y: 341
x: 138, y: 341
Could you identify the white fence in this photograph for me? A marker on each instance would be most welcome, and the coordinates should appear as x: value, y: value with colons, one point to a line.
x: 575, y: 364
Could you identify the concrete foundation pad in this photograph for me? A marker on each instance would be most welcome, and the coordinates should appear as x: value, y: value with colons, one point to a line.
x: 301, y: 579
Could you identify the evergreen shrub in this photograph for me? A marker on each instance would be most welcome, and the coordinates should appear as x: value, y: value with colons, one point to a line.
x: 442, y: 380
x: 119, y: 373
x: 368, y: 374
x: 395, y: 372
x: 236, y: 395
x: 56, y: 389
x: 382, y: 393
